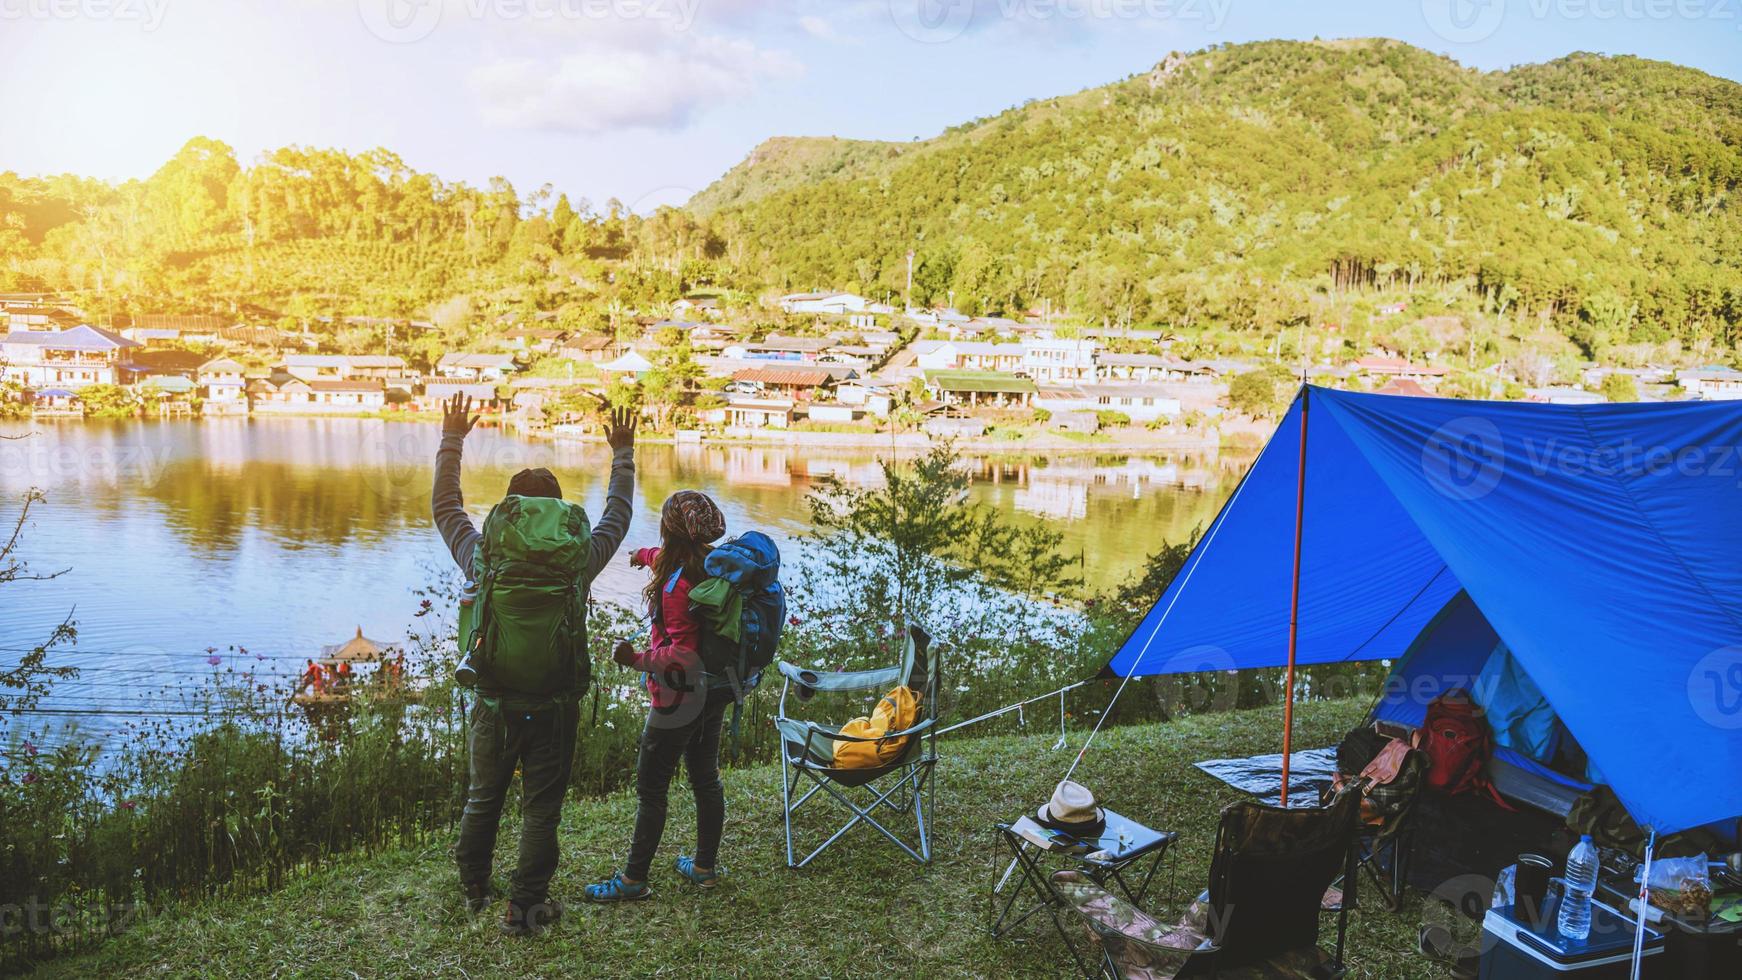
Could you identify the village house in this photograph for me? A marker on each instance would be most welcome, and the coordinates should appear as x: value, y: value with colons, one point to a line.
x: 778, y: 348
x: 797, y: 383
x: 1711, y: 383
x: 464, y: 366
x: 835, y: 304
x: 223, y: 384
x: 70, y: 359
x: 752, y: 413
x: 139, y: 363
x: 293, y: 394
x: 351, y: 367
x: 152, y: 335
x: 1397, y: 367
x: 979, y: 389
x: 540, y: 340
x: 968, y: 355
x: 30, y: 315
x: 876, y: 399
x: 588, y: 347
x: 706, y: 306
x: 1137, y: 401
x: 1059, y: 360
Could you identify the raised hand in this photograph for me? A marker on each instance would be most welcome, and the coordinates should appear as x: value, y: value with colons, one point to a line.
x: 457, y: 417
x: 619, y: 425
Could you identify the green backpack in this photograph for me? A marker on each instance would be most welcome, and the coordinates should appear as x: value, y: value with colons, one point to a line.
x: 529, y: 639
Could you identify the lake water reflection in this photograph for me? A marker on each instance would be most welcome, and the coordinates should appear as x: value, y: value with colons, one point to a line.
x: 282, y: 535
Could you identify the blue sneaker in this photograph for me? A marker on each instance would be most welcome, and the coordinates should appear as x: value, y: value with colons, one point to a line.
x: 617, y: 890
x: 686, y: 866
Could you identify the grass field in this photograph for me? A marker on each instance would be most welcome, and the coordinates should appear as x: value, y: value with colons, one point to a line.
x: 859, y: 910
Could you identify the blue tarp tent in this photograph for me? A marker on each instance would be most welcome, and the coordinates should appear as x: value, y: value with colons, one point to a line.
x: 1602, y: 543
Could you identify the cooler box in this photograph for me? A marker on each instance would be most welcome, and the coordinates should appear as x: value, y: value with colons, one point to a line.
x: 1511, y: 951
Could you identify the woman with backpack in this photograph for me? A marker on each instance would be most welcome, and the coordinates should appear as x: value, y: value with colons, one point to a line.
x: 685, y: 720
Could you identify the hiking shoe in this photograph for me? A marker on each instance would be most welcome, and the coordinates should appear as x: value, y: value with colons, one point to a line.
x: 686, y: 866
x: 532, y: 920
x: 617, y: 890
x: 479, y: 895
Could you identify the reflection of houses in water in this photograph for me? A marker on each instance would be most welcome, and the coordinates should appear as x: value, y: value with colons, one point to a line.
x: 864, y: 474
x: 759, y: 467
x: 1055, y: 498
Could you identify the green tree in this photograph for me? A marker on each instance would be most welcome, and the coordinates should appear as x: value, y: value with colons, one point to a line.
x: 1618, y: 387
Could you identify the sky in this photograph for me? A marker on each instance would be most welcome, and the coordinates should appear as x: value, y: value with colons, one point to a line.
x: 648, y: 101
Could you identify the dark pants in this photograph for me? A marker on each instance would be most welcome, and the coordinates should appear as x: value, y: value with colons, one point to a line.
x: 542, y: 744
x: 693, y: 736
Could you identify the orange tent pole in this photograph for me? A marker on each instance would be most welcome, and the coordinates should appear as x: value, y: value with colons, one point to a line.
x: 1294, y: 599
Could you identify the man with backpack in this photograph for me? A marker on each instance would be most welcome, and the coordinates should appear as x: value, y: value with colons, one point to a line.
x: 526, y: 655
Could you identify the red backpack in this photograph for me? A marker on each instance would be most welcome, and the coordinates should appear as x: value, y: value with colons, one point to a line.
x: 1458, y: 744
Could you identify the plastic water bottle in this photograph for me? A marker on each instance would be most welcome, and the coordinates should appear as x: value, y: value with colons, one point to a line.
x: 1574, y: 921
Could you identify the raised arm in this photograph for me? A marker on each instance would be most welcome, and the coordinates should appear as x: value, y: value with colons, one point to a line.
x: 614, y: 522
x: 446, y: 503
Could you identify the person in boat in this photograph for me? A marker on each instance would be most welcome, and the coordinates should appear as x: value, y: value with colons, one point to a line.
x: 541, y: 743
x: 312, y: 679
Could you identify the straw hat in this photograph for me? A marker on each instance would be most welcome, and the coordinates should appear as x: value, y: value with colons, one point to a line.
x: 1072, y: 809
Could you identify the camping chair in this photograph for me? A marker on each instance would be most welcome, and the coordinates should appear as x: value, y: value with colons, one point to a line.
x: 1391, y: 844
x: 1271, y: 879
x: 807, y: 750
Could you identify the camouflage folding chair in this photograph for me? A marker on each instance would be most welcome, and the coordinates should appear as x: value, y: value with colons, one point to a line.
x: 900, y: 787
x: 1272, y: 878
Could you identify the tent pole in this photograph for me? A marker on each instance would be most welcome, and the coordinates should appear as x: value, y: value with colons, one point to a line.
x: 1294, y: 599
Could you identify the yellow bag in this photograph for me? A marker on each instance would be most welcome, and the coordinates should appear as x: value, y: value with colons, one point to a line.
x: 898, y: 711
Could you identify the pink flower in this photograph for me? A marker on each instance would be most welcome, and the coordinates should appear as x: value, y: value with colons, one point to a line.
x: 214, y: 660
x: 793, y: 621
x: 29, y: 747
x: 128, y: 804
x: 30, y: 777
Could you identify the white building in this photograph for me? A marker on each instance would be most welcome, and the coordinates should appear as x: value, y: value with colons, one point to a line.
x: 1712, y: 384
x: 1058, y: 360
x: 349, y: 367
x: 1139, y: 402
x: 832, y: 304
x: 82, y: 355
x: 222, y: 382
x: 475, y: 367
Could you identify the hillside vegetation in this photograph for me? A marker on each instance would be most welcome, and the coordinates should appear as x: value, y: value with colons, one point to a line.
x: 1236, y: 184
x: 1248, y: 189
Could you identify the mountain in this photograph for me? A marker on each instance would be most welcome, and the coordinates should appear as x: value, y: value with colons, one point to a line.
x: 1236, y: 184
x: 790, y: 161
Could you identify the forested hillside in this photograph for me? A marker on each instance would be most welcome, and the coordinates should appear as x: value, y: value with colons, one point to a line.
x: 1235, y: 185
x: 1245, y: 188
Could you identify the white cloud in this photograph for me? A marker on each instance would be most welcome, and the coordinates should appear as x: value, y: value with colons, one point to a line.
x: 611, y: 86
x: 818, y: 27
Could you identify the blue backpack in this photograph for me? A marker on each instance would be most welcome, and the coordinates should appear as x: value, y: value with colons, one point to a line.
x: 742, y: 609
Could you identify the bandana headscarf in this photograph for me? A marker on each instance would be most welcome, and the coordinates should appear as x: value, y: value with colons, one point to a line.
x: 692, y: 514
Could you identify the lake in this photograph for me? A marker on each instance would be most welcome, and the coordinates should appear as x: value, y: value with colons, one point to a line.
x: 281, y: 535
